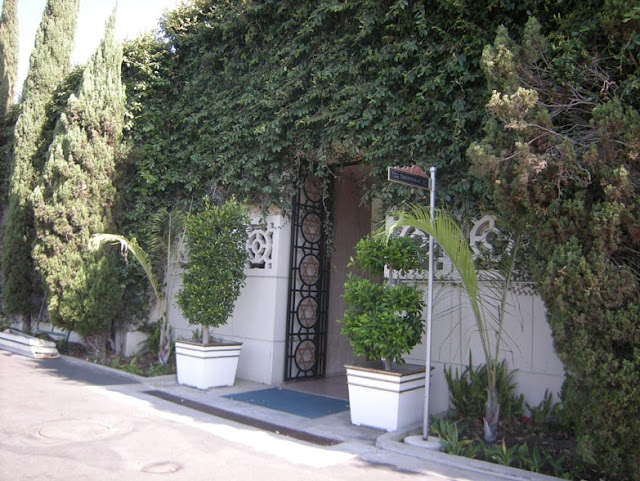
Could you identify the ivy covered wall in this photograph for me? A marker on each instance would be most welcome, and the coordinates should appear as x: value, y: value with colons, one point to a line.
x: 239, y: 94
x: 243, y: 92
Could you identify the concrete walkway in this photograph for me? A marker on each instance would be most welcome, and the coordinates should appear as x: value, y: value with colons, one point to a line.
x: 327, y: 441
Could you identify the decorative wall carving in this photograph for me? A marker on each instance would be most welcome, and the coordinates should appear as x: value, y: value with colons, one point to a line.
x: 260, y: 246
x: 485, y: 239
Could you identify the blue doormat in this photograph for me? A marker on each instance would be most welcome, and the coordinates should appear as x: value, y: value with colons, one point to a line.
x: 292, y: 402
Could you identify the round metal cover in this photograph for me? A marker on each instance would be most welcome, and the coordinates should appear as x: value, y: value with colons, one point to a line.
x: 74, y: 430
x: 163, y: 467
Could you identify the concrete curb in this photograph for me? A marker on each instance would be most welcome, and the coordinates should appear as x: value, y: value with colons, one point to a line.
x: 394, y: 442
x: 117, y: 372
x: 26, y: 345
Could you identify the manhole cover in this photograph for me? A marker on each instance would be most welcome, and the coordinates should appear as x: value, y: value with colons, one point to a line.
x: 75, y: 430
x: 165, y: 467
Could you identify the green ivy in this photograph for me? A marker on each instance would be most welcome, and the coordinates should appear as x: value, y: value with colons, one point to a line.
x: 242, y: 93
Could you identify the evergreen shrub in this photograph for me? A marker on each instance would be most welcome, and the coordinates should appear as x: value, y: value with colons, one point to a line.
x: 381, y: 320
x: 560, y: 157
x: 214, y: 274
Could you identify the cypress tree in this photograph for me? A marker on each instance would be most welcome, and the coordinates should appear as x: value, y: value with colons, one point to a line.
x: 74, y: 199
x: 48, y: 64
x: 8, y: 54
x: 8, y: 74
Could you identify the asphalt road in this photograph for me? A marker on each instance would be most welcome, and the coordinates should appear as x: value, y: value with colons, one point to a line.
x: 60, y: 422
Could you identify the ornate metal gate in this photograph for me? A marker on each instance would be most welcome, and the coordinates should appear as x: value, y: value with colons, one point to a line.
x: 306, y: 341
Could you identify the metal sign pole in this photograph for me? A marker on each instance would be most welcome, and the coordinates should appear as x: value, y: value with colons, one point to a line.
x: 415, y: 177
x: 427, y: 382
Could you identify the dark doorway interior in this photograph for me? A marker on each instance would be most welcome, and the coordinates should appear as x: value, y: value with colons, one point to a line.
x: 351, y: 222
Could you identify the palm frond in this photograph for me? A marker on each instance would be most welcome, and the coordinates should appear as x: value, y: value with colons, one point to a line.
x: 451, y: 240
x: 446, y: 232
x: 508, y: 267
x: 128, y: 245
x: 166, y: 229
x: 154, y: 240
x: 131, y: 245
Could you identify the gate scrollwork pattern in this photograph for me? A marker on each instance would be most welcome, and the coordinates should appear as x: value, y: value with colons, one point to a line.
x: 308, y: 285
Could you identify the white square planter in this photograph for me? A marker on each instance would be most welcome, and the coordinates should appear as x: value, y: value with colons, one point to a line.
x: 387, y: 400
x: 203, y: 367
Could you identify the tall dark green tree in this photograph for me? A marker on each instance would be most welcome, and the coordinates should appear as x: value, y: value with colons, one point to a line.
x: 74, y: 199
x: 8, y: 75
x: 561, y: 156
x: 49, y: 63
x: 8, y: 54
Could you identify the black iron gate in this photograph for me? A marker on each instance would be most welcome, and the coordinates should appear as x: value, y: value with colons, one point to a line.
x: 306, y: 341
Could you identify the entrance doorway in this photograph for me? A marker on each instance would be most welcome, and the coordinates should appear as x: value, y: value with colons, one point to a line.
x: 315, y: 346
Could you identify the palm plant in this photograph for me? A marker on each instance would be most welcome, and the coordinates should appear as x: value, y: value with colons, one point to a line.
x: 167, y: 230
x: 446, y: 232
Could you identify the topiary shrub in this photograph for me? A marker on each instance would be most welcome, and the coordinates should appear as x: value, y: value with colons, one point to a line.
x: 216, y: 241
x: 383, y: 321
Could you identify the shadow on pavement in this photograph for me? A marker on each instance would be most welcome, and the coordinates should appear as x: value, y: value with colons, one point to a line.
x: 84, y: 374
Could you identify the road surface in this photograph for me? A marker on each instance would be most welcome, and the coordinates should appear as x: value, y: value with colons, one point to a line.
x: 61, y: 423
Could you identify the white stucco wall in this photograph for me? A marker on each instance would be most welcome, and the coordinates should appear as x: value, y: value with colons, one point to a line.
x: 527, y: 344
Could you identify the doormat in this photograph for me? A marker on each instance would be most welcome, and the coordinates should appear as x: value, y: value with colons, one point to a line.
x: 292, y: 402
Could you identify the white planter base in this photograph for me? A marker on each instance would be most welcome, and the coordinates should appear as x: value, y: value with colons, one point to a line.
x: 388, y: 400
x: 28, y: 345
x: 209, y: 366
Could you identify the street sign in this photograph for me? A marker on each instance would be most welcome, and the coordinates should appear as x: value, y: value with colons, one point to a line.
x: 411, y: 176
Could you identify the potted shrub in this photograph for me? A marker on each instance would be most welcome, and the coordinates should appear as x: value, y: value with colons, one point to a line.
x: 383, y: 321
x: 213, y: 277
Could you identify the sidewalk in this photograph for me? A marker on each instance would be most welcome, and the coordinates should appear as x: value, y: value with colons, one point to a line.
x: 334, y: 432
